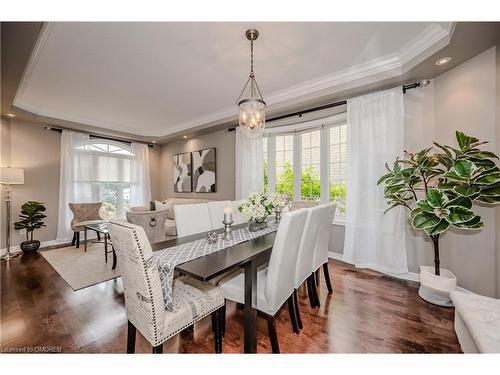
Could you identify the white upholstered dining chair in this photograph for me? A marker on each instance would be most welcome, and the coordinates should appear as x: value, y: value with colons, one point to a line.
x: 305, y: 260
x: 216, y: 210
x: 192, y: 219
x: 146, y: 312
x: 322, y: 245
x: 275, y: 284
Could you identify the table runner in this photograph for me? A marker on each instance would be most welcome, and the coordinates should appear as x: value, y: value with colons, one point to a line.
x: 167, y: 259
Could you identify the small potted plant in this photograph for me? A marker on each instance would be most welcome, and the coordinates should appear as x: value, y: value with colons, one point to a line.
x: 30, y: 219
x: 439, y: 189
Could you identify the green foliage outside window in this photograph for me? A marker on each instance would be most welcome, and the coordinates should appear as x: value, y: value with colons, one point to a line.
x: 310, y: 186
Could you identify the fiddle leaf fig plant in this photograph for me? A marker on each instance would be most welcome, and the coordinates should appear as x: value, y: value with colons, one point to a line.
x: 438, y: 187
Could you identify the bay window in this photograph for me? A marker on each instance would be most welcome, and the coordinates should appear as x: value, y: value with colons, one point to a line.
x: 307, y: 161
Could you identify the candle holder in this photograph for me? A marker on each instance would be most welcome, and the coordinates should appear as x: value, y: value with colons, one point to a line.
x: 227, y: 230
x: 277, y: 218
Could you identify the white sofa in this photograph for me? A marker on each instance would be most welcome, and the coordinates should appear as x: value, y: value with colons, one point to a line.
x: 477, y: 322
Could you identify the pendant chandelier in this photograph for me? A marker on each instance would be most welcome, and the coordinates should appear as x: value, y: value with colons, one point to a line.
x: 252, y: 116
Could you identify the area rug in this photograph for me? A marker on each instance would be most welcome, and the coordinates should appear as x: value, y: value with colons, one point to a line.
x: 81, y: 269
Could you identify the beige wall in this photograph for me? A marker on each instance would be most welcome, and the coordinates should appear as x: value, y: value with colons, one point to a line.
x: 155, y: 171
x: 37, y: 150
x: 224, y: 142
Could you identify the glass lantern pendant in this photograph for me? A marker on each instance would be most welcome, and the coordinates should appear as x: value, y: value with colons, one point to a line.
x: 252, y: 117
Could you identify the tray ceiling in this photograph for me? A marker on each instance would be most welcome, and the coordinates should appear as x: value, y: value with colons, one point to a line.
x: 156, y: 79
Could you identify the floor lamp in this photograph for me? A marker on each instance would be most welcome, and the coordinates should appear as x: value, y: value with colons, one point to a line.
x: 8, y: 177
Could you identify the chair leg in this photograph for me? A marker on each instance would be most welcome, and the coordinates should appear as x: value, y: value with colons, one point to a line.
x: 317, y: 277
x: 98, y: 236
x: 77, y: 240
x: 216, y: 327
x: 315, y: 290
x: 223, y: 318
x: 158, y: 349
x: 310, y: 294
x: 73, y: 241
x: 297, y: 311
x: 271, y: 326
x: 291, y: 311
x: 327, y: 278
x: 131, y: 334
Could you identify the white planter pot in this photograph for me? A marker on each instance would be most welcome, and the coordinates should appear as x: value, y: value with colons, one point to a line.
x: 436, y: 289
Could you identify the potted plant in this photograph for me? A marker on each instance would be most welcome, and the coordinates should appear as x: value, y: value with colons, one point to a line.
x: 438, y: 188
x: 30, y: 219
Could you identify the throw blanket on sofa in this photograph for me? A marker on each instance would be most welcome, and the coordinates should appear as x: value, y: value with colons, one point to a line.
x: 168, y: 259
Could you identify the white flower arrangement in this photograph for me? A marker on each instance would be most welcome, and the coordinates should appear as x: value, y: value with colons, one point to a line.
x: 257, y: 207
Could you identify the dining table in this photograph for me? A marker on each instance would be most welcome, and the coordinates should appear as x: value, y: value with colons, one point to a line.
x: 248, y: 255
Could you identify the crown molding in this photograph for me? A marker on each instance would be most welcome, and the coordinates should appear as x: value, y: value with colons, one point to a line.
x: 429, y: 41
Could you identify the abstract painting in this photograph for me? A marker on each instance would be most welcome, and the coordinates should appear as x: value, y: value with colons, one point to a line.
x: 182, y: 173
x: 204, y: 172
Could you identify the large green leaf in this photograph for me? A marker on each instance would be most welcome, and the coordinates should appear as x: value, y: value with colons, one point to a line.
x: 489, y: 200
x: 425, y: 220
x: 474, y: 223
x: 460, y: 201
x: 436, y: 198
x: 425, y: 206
x: 464, y: 168
x: 482, y: 163
x: 464, y: 141
x: 454, y: 176
x: 488, y: 179
x: 459, y: 214
x: 438, y: 228
x: 491, y: 191
x: 415, y: 212
x: 384, y: 178
x: 483, y: 155
x: 466, y: 190
x: 391, y: 189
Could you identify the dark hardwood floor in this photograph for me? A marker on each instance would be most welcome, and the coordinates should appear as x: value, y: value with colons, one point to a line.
x: 367, y: 313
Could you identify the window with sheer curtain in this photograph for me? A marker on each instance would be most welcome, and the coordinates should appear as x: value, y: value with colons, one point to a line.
x: 107, y: 179
x: 307, y: 161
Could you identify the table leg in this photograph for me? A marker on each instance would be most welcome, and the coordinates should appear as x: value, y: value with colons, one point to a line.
x: 85, y: 239
x: 106, y: 248
x: 251, y: 307
x: 114, y: 257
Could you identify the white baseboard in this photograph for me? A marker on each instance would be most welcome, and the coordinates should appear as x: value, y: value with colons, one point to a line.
x: 410, y: 276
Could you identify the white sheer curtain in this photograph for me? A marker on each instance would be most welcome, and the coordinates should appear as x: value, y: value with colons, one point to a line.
x: 73, y: 184
x: 249, y: 166
x: 373, y: 239
x: 140, y: 186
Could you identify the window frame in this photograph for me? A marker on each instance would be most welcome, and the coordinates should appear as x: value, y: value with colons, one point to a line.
x: 95, y: 184
x: 324, y: 125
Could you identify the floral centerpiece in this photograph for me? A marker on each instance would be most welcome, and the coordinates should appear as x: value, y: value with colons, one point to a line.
x: 256, y: 208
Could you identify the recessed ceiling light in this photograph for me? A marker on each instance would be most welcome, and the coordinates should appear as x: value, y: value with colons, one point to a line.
x: 185, y: 136
x: 153, y: 141
x: 444, y: 60
x: 10, y: 115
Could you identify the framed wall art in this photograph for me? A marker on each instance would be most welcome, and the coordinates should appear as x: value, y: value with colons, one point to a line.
x: 204, y: 171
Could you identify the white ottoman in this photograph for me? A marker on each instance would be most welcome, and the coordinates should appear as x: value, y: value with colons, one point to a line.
x: 477, y: 322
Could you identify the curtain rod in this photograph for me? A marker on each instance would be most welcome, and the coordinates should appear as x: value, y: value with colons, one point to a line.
x: 60, y: 130
x: 405, y: 88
